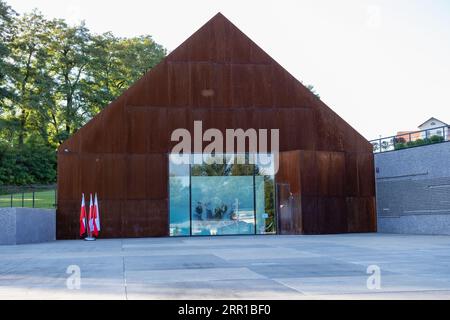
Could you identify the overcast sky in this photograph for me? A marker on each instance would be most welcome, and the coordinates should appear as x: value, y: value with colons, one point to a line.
x: 382, y: 65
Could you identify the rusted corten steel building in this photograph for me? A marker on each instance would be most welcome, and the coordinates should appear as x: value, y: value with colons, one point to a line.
x: 325, y: 182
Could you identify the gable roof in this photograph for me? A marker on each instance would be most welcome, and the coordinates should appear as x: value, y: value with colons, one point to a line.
x: 237, y: 73
x: 435, y: 119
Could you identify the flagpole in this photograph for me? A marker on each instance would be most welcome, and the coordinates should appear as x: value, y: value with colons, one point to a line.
x: 89, y: 237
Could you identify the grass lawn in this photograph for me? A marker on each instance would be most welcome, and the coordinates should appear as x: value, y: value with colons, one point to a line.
x: 42, y: 199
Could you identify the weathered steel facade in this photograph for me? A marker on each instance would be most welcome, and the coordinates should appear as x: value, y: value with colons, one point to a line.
x: 221, y: 77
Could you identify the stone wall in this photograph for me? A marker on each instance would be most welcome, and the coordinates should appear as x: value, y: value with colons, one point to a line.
x: 413, y: 190
x: 26, y: 225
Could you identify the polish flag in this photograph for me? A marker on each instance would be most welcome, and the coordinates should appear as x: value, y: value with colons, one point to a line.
x: 82, y: 216
x: 91, y: 216
x: 96, y: 217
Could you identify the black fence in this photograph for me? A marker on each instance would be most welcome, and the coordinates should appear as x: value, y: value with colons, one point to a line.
x: 411, y: 139
x: 28, y: 197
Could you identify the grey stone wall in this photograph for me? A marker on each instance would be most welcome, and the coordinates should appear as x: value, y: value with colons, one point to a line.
x: 26, y: 225
x: 413, y: 190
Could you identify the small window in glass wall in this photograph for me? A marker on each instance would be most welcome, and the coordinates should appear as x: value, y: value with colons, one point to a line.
x: 222, y: 195
x: 265, y: 194
x: 179, y: 201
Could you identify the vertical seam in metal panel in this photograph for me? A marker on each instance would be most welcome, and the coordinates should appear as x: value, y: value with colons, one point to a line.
x: 275, y: 198
x: 190, y: 197
x: 254, y: 198
x: 168, y: 192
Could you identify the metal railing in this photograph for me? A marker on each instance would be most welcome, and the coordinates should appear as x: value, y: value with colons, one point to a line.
x: 411, y: 139
x: 35, y: 197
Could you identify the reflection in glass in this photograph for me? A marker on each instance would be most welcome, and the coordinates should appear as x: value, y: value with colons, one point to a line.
x: 222, y: 205
x: 265, y: 195
x: 179, y: 198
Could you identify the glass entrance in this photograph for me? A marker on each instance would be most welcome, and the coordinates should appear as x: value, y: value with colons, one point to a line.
x: 227, y: 195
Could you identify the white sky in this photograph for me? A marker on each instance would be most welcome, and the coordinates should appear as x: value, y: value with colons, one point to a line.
x: 382, y: 65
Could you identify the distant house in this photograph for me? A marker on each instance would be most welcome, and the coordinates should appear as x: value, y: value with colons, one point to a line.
x: 434, y: 127
x: 431, y: 127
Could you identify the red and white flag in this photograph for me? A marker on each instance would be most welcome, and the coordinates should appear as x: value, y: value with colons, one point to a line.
x: 91, y: 216
x: 96, y: 217
x: 82, y: 216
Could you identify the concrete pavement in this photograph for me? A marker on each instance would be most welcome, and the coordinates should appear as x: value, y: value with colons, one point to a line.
x: 235, y: 267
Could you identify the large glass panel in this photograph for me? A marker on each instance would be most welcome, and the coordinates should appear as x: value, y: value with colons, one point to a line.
x: 222, y: 198
x: 224, y: 195
x: 179, y: 202
x: 265, y: 194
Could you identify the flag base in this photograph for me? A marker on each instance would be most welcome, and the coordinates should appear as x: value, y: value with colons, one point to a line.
x: 89, y: 239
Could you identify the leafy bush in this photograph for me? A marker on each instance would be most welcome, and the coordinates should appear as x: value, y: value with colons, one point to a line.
x: 32, y: 163
x: 421, y: 142
x: 400, y: 145
x: 436, y: 139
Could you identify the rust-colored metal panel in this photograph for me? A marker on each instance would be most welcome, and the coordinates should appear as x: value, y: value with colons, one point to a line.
x: 221, y: 119
x: 326, y: 136
x: 310, y: 215
x: 324, y: 215
x: 361, y: 214
x: 328, y: 170
x: 239, y: 46
x: 281, y: 89
x: 114, y: 177
x: 351, y: 174
x: 136, y: 173
x: 152, y: 89
x: 145, y: 218
x: 258, y: 56
x: 309, y: 173
x: 177, y: 118
x: 242, y: 118
x: 222, y: 85
x: 337, y: 174
x: 223, y: 78
x: 113, y: 129
x: 324, y: 172
x: 332, y: 215
x: 366, y: 174
x: 262, y: 86
x: 202, y: 84
x: 93, y: 137
x: 67, y: 219
x: 289, y: 170
x: 89, y: 174
x: 135, y: 219
x: 136, y: 126
x: 179, y: 84
x: 181, y: 54
x: 111, y: 220
x: 157, y: 176
x: 158, y: 218
x: 157, y: 86
x: 241, y: 85
x: 200, y: 46
x: 156, y: 132
x: 298, y: 123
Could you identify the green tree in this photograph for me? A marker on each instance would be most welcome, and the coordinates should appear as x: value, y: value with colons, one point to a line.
x: 116, y: 63
x: 70, y: 48
x: 7, y: 15
x: 28, y: 47
x: 54, y: 78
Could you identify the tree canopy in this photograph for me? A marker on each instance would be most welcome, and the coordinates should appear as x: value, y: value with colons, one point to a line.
x: 54, y: 77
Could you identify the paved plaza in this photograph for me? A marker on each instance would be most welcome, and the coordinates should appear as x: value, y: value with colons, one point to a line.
x: 235, y: 267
